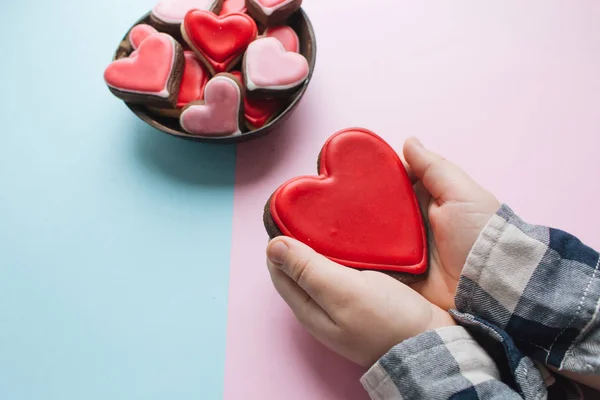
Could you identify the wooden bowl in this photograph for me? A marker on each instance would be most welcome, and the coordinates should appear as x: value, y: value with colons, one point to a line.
x: 308, y: 48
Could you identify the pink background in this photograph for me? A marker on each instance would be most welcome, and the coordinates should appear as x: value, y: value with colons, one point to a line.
x: 509, y: 90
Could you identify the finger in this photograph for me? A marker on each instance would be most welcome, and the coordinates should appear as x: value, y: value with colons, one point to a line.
x: 444, y: 180
x: 411, y: 175
x: 424, y: 198
x: 306, y: 310
x: 331, y: 285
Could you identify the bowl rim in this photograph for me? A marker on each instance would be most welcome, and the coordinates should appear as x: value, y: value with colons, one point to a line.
x: 142, y: 113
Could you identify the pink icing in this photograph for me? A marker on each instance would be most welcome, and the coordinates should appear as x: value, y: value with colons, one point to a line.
x: 220, y: 114
x: 233, y: 6
x: 148, y: 71
x: 139, y: 33
x: 269, y: 66
x: 273, y: 3
x: 286, y: 35
x: 173, y: 11
x: 268, y: 7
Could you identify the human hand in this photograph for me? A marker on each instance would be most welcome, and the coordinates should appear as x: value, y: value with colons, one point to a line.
x: 358, y: 314
x: 457, y: 210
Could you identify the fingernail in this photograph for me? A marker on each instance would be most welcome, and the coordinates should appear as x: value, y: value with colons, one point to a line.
x: 418, y: 143
x: 277, y: 251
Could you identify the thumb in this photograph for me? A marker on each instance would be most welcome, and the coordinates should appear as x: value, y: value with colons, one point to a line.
x: 444, y: 180
x: 326, y: 282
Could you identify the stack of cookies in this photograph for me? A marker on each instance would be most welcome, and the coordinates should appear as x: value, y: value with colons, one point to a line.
x: 221, y: 67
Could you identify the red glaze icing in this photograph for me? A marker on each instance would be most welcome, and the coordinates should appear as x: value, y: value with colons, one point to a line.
x: 139, y: 33
x: 233, y: 6
x: 361, y: 211
x: 219, y: 39
x: 258, y: 111
x: 238, y: 76
x: 193, y: 81
x: 148, y: 71
x: 286, y: 35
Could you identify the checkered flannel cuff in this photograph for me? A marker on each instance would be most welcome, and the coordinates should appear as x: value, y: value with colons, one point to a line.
x: 442, y: 364
x: 541, y: 286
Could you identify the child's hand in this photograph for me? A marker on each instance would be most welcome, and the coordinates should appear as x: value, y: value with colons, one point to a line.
x: 457, y: 208
x: 360, y: 315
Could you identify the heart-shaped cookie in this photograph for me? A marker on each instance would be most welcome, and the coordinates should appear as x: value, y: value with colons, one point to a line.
x: 272, y: 12
x: 258, y: 112
x: 268, y: 68
x: 195, y: 77
x: 139, y: 33
x: 219, y: 41
x: 221, y: 111
x: 168, y: 15
x: 233, y: 6
x: 286, y: 35
x: 174, y: 11
x: 361, y: 211
x: 151, y: 76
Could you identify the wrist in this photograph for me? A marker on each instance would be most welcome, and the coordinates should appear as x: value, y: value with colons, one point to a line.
x: 440, y: 319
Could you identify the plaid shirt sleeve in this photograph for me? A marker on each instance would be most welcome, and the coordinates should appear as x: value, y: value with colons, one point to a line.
x: 447, y: 364
x: 528, y: 296
x: 539, y: 285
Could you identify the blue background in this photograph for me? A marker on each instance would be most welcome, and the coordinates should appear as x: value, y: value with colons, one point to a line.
x: 114, y: 238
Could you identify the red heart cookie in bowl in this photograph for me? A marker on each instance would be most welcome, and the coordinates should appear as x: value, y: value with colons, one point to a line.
x: 220, y: 113
x: 219, y: 41
x: 361, y: 211
x: 272, y: 12
x: 152, y: 76
x: 258, y: 112
x: 194, y: 79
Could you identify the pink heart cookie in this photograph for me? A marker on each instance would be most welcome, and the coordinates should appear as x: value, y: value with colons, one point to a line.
x: 139, y: 33
x: 270, y: 6
x: 173, y: 11
x: 233, y: 6
x: 286, y: 35
x: 221, y: 111
x: 272, y: 12
x: 269, y: 68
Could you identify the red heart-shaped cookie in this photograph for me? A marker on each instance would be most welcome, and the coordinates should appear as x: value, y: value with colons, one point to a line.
x: 361, y: 211
x: 193, y: 81
x: 258, y: 112
x: 220, y: 41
